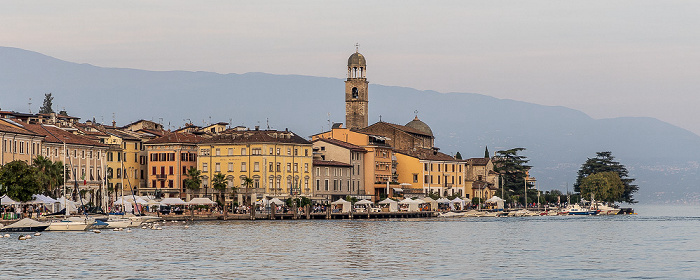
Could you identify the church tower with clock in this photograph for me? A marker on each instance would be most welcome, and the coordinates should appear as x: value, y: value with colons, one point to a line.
x: 356, y: 98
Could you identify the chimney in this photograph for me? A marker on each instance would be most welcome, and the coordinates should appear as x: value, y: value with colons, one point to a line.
x: 257, y: 127
x: 114, y: 123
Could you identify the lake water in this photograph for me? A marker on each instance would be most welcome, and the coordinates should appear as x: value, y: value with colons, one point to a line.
x: 660, y: 242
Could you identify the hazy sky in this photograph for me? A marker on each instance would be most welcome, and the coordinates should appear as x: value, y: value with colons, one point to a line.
x: 605, y: 58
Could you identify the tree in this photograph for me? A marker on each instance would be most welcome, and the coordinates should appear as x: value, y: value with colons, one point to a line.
x: 48, y: 103
x: 195, y: 179
x: 605, y: 162
x: 458, y: 156
x: 486, y: 152
x: 513, y: 168
x: 248, y: 182
x: 19, y: 181
x: 49, y: 174
x: 606, y: 186
x: 219, y: 184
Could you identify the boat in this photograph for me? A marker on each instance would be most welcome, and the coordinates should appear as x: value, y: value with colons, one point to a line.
x: 606, y: 210
x: 25, y: 225
x: 69, y: 225
x: 575, y: 209
x: 451, y: 215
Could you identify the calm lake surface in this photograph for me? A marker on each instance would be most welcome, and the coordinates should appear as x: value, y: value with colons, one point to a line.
x: 660, y: 242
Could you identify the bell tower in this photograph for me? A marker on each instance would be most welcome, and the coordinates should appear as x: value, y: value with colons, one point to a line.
x: 356, y: 98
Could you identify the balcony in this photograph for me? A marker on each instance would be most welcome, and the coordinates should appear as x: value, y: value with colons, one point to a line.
x: 161, y: 177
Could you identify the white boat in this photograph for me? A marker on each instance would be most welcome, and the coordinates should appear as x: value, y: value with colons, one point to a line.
x: 68, y: 225
x: 606, y: 210
x: 25, y: 225
x: 451, y: 215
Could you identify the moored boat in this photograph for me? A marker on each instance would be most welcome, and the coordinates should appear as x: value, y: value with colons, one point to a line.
x: 25, y: 225
x: 68, y: 225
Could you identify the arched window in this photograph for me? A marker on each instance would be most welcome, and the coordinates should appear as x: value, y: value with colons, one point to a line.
x: 355, y: 92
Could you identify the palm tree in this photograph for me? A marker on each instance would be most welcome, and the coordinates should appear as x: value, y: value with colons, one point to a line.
x: 49, y: 175
x: 219, y: 184
x: 195, y: 179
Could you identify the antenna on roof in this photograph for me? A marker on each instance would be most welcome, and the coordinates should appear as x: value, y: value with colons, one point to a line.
x: 267, y: 120
x: 30, y: 105
x: 329, y: 121
x: 230, y: 121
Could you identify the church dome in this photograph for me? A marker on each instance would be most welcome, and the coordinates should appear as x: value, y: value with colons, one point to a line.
x: 357, y: 59
x: 420, y: 126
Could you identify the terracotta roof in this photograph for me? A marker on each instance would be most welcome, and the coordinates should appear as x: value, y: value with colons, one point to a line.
x: 122, y: 135
x: 478, y: 161
x: 56, y: 135
x: 427, y: 154
x: 346, y: 145
x: 257, y: 136
x: 330, y: 163
x: 154, y: 132
x: 400, y: 127
x: 14, y: 127
x: 176, y: 138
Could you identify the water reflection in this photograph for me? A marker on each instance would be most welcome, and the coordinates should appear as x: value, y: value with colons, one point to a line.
x: 493, y: 248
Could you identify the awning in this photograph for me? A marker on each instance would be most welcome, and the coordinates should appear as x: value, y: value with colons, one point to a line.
x: 398, y: 189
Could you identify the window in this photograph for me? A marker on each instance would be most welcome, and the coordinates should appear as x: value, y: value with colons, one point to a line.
x: 217, y: 167
x: 415, y: 178
x: 327, y: 172
x: 306, y: 183
x: 306, y: 152
x: 184, y: 170
x: 289, y: 167
x: 162, y: 170
x: 256, y: 166
x: 326, y: 184
x: 272, y: 151
x: 296, y: 151
x: 279, y: 167
x: 289, y: 151
x: 170, y: 184
x: 243, y: 152
x: 170, y: 170
x: 335, y: 185
x: 296, y: 167
x: 425, y: 167
x: 205, y: 167
x: 230, y: 167
x: 278, y: 151
x: 119, y: 173
x: 318, y: 184
x: 218, y: 151
x: 243, y: 169
x: 256, y: 151
x: 272, y: 167
x: 306, y: 168
x: 153, y: 170
x: 230, y: 151
x: 426, y: 180
x: 318, y: 171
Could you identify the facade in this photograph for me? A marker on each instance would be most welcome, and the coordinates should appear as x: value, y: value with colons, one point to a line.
x: 169, y: 159
x: 414, y: 135
x: 481, y: 178
x: 335, y: 150
x: 126, y: 162
x: 83, y: 157
x: 356, y: 92
x: 378, y: 162
x: 18, y: 143
x: 430, y: 171
x: 278, y: 162
x: 332, y: 180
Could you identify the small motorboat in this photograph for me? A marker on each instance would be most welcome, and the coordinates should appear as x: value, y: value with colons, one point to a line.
x: 25, y: 225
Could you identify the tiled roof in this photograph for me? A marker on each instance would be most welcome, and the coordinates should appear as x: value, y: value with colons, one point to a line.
x: 346, y: 145
x: 176, y: 138
x: 427, y: 154
x: 54, y: 134
x: 154, y: 132
x: 257, y: 136
x: 330, y: 163
x: 400, y: 127
x: 122, y: 135
x: 13, y: 127
x: 478, y: 161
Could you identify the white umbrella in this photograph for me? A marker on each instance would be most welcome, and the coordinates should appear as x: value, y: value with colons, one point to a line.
x: 443, y: 200
x: 364, y: 201
x: 141, y: 201
x: 277, y: 201
x: 201, y: 201
x: 173, y: 201
x: 6, y: 200
x: 494, y: 199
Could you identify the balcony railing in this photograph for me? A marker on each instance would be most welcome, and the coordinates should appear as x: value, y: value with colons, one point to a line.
x: 161, y: 177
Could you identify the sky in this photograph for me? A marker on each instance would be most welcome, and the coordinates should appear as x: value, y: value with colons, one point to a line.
x: 606, y: 58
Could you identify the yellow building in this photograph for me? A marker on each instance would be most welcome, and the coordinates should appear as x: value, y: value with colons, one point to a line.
x: 278, y: 162
x: 126, y: 162
x: 429, y: 171
x: 378, y: 163
x: 18, y: 143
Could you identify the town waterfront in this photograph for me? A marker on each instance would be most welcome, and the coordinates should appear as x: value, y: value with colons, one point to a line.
x: 660, y: 242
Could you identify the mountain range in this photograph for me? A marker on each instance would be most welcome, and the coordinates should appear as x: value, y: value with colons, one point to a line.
x: 662, y: 157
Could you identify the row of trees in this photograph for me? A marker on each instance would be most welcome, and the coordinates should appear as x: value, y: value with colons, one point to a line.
x: 601, y: 177
x: 20, y: 181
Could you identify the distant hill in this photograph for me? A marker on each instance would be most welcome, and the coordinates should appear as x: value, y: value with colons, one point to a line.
x: 663, y: 157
